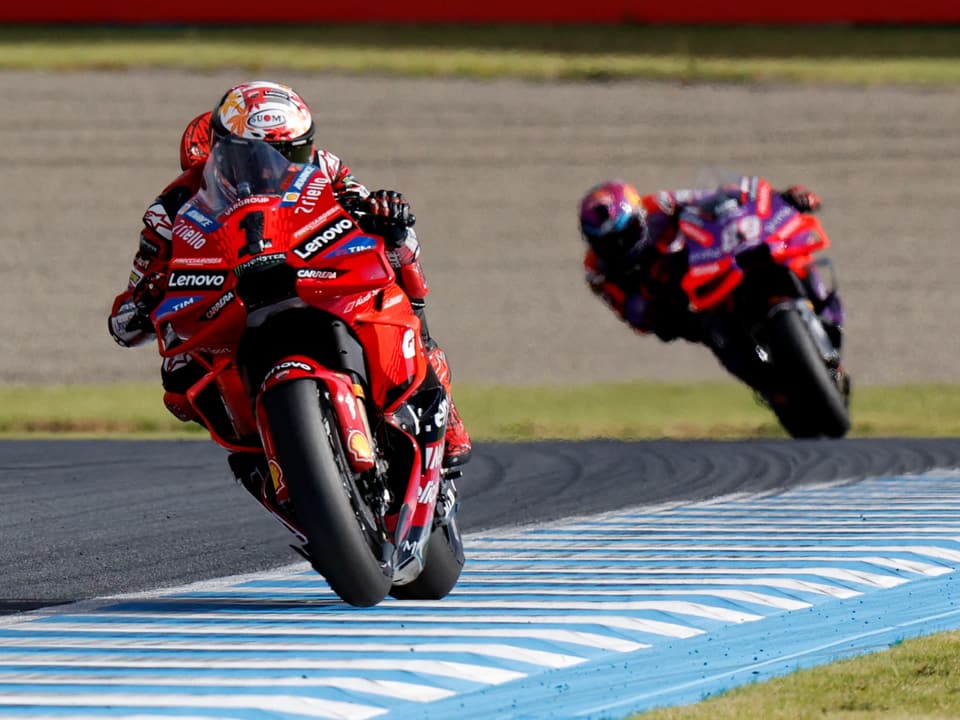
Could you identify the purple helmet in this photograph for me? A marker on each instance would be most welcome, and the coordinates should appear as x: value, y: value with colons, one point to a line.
x: 613, y: 221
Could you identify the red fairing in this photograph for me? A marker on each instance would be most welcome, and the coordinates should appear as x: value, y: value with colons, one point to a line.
x: 240, y: 261
x: 712, y: 242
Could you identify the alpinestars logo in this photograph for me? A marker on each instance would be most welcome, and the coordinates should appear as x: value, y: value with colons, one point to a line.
x: 329, y: 233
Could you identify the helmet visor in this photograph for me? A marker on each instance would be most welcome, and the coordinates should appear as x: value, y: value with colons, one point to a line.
x: 296, y: 151
x: 622, y: 243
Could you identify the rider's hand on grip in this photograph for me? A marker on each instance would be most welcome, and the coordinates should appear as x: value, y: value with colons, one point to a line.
x: 146, y: 296
x: 353, y: 203
x: 392, y: 216
x: 801, y: 198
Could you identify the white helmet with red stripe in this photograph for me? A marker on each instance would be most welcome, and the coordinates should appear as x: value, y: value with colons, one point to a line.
x: 267, y: 111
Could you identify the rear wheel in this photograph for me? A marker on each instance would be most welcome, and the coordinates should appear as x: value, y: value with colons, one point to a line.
x: 345, y: 538
x: 808, y: 401
x: 441, y: 568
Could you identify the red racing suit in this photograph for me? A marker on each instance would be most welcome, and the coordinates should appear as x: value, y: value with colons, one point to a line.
x: 154, y: 254
x: 648, y: 296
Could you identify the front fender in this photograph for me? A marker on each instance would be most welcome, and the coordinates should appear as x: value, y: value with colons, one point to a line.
x: 351, y: 424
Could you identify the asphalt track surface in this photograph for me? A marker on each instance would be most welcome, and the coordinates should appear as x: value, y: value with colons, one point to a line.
x: 84, y: 519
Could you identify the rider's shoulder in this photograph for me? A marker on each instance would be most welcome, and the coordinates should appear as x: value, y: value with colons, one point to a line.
x: 327, y: 161
x: 175, y: 194
x: 188, y: 179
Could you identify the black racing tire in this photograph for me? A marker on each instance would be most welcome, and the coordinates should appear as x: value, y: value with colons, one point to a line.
x: 441, y: 567
x: 342, y: 535
x: 808, y: 402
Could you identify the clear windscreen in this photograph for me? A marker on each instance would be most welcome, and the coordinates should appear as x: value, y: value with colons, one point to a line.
x: 238, y: 168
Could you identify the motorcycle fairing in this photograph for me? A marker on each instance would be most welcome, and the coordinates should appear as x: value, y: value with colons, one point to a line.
x: 717, y: 231
x: 290, y: 248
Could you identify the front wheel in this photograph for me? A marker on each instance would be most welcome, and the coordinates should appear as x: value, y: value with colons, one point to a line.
x: 808, y: 401
x: 441, y: 567
x: 345, y: 539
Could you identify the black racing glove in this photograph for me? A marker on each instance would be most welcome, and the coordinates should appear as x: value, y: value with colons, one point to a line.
x: 801, y: 198
x: 146, y: 296
x: 389, y: 215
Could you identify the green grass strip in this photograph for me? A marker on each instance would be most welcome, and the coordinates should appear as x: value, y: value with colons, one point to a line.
x: 914, y: 680
x: 629, y: 411
x: 845, y: 55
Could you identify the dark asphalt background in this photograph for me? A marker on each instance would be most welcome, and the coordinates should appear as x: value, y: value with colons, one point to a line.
x: 83, y: 519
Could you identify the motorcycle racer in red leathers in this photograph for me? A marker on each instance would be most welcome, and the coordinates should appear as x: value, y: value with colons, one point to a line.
x: 274, y: 113
x: 635, y: 263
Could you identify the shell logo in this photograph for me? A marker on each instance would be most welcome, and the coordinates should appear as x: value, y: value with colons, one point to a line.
x: 360, y: 446
x: 276, y: 475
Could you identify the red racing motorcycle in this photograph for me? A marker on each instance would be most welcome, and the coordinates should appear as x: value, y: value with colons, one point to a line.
x: 316, y: 376
x: 768, y: 312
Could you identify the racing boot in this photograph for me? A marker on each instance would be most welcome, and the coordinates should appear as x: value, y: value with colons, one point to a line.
x: 458, y: 447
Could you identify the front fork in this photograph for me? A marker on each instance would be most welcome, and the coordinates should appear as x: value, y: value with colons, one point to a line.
x: 431, y: 497
x: 352, y: 426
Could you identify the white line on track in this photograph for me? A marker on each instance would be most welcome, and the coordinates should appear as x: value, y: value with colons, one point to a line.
x: 408, y: 650
x: 307, y: 707
x: 481, y: 674
x: 413, y: 692
x: 571, y: 637
x: 640, y: 625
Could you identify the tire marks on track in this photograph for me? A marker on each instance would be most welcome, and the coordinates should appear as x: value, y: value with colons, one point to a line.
x: 90, y: 518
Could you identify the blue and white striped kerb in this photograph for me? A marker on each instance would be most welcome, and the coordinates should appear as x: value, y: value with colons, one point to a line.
x: 595, y: 617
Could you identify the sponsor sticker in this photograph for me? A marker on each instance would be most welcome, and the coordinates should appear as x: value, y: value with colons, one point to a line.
x: 360, y: 446
x: 287, y: 366
x: 317, y: 274
x: 409, y: 345
x: 196, y: 280
x: 202, y: 221
x: 329, y: 233
x: 176, y: 304
x: 215, y: 309
x: 190, y: 235
x: 260, y: 261
x: 359, y: 244
x: 310, y: 195
x: 301, y: 179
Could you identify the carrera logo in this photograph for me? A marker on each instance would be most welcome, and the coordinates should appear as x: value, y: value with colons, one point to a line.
x: 195, y: 279
x: 329, y: 233
x: 219, y: 305
x: 317, y: 274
